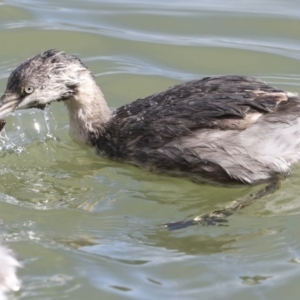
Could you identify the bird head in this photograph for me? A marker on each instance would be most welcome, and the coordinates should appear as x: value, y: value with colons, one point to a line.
x: 40, y: 80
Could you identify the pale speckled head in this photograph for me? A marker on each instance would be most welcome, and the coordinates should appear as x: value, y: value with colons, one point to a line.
x: 44, y: 78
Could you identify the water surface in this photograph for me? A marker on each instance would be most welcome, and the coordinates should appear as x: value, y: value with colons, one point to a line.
x: 88, y: 228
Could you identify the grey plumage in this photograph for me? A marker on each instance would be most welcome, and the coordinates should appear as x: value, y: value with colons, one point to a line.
x: 193, y: 128
x: 222, y: 129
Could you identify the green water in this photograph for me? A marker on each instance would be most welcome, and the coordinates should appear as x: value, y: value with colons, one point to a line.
x: 88, y: 228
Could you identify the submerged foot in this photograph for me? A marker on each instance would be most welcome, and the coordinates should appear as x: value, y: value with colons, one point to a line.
x: 216, y: 218
x: 219, y: 217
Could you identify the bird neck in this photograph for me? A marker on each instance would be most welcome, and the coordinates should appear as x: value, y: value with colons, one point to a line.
x: 88, y: 111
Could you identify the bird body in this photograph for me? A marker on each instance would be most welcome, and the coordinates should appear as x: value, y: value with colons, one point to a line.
x: 228, y: 129
x: 224, y: 129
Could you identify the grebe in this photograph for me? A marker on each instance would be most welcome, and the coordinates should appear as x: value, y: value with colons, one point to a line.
x: 8, y: 277
x: 228, y: 129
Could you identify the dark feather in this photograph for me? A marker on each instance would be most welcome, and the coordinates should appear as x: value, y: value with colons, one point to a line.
x: 139, y: 131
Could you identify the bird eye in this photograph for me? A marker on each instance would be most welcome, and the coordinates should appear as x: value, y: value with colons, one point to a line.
x: 29, y: 89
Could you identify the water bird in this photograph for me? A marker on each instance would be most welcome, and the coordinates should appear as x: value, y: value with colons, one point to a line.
x: 227, y: 129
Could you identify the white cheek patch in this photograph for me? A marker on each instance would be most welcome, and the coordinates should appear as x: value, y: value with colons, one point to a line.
x: 33, y: 100
x: 25, y: 103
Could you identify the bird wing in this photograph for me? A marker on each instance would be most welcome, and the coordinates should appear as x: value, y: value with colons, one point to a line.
x: 227, y: 102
